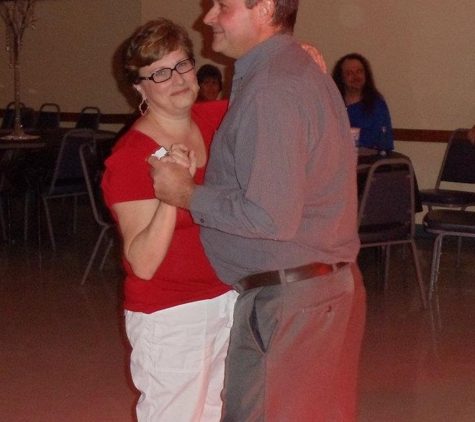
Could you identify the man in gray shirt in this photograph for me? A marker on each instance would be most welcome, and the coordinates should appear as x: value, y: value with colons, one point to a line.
x: 278, y: 215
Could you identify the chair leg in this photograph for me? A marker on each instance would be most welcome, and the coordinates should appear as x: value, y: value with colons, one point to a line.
x: 387, y: 256
x: 459, y: 250
x: 106, y: 253
x: 379, y: 252
x: 49, y: 223
x: 93, y: 256
x: 75, y: 215
x: 2, y: 222
x: 404, y: 246
x: 417, y: 265
x: 434, y: 272
x: 25, y: 213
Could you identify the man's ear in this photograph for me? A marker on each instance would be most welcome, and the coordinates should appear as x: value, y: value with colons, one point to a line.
x: 266, y: 9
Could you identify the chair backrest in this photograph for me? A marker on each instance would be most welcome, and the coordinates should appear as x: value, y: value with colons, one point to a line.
x: 92, y: 169
x: 458, y: 165
x: 8, y: 121
x: 388, y: 199
x: 27, y: 118
x: 49, y: 116
x: 68, y: 177
x: 89, y: 118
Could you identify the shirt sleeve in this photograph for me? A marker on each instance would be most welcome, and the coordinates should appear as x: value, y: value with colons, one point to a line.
x: 127, y: 175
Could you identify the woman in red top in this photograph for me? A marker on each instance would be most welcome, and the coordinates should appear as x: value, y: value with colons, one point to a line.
x: 178, y: 314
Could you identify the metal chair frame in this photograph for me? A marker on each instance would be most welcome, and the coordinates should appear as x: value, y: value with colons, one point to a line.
x: 68, y: 178
x: 386, y: 213
x: 92, y: 169
x: 442, y: 223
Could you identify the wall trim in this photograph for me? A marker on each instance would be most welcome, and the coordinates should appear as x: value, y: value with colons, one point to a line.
x: 421, y: 135
x: 405, y: 135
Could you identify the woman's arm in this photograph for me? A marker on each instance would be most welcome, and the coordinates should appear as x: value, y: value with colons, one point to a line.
x: 471, y: 134
x: 147, y: 228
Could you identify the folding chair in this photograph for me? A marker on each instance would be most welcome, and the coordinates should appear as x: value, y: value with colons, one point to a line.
x: 49, y: 116
x: 386, y: 213
x: 89, y: 118
x: 68, y: 178
x: 458, y: 166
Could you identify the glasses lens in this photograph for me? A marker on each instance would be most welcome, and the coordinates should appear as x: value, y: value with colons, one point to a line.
x: 185, y: 66
x: 162, y: 75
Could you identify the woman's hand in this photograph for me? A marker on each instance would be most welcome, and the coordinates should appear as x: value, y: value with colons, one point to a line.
x: 181, y: 154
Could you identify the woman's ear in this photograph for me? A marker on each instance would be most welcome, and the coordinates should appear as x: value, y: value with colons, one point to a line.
x: 138, y: 88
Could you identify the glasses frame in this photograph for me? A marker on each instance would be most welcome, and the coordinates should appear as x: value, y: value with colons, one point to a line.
x: 150, y: 78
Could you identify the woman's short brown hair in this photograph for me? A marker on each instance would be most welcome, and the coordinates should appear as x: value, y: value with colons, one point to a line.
x: 152, y: 41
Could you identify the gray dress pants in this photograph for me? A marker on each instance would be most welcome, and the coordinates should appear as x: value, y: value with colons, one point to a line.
x: 294, y: 351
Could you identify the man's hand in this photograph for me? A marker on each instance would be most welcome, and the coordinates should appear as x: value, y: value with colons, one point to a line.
x: 172, y: 182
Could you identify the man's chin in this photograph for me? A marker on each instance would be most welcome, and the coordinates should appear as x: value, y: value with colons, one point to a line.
x: 215, y: 47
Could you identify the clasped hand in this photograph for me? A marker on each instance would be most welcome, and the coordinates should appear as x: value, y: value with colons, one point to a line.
x: 173, y: 176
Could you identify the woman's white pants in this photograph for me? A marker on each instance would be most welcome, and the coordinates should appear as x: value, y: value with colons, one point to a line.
x: 177, y: 360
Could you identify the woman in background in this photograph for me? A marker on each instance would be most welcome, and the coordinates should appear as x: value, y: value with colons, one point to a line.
x: 210, y: 81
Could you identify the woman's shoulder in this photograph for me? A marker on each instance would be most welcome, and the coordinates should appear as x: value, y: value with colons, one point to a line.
x: 210, y: 111
x: 132, y: 146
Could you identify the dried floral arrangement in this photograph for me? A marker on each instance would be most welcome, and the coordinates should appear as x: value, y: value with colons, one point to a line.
x: 18, y: 15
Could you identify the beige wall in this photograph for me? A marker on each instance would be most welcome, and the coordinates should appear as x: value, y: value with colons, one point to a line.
x: 67, y: 58
x: 422, y: 51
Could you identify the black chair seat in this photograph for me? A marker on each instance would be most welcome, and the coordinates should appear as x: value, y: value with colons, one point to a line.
x: 68, y: 186
x: 382, y: 233
x: 454, y: 221
x: 447, y: 197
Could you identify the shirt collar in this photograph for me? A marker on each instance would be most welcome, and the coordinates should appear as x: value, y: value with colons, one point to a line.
x: 260, y: 53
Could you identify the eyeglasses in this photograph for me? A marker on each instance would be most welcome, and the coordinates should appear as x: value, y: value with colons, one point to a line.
x: 166, y: 73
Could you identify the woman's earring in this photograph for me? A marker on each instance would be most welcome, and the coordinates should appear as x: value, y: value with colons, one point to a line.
x: 143, y: 107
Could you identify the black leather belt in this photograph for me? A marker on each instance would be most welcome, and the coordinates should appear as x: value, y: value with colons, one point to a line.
x: 292, y: 275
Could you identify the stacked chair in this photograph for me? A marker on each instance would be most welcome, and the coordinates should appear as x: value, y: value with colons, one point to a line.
x: 89, y: 118
x: 49, y: 116
x: 451, y: 218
